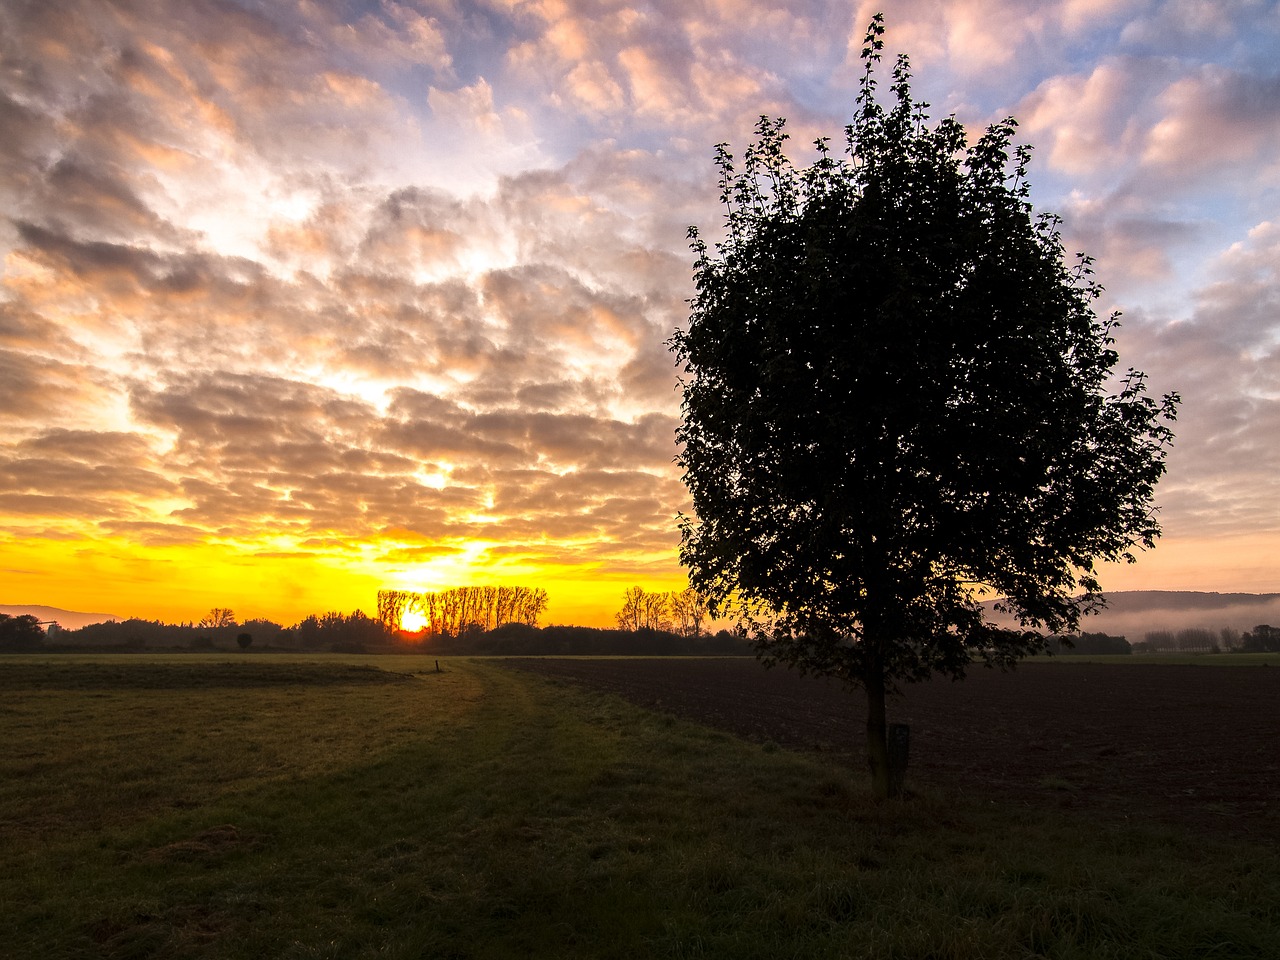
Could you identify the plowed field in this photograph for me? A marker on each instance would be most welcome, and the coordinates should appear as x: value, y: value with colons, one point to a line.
x: 1192, y: 745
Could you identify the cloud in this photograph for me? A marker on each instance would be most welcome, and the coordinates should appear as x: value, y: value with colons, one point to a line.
x: 1186, y: 26
x: 468, y: 108
x: 1153, y: 148
x: 1155, y: 120
x: 39, y: 390
x: 390, y: 31
x: 179, y: 132
x: 669, y: 69
x: 254, y: 454
x: 380, y: 291
x: 1133, y: 240
x: 417, y: 231
x: 80, y: 476
x: 1224, y: 358
x: 590, y: 87
x: 1087, y: 123
x: 985, y: 40
x: 1214, y: 120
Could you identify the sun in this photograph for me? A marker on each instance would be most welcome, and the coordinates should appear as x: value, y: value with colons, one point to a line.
x: 412, y: 621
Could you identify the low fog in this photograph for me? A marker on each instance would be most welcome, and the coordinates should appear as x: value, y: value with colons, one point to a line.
x: 1134, y: 614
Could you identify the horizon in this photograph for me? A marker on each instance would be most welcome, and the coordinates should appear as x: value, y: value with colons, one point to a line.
x: 1132, y: 613
x: 299, y: 303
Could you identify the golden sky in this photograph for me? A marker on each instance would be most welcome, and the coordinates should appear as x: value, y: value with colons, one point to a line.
x: 302, y: 299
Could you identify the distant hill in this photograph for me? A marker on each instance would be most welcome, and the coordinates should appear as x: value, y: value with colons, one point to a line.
x: 67, y: 619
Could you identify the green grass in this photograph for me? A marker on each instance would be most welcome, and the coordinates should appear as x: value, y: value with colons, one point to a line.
x: 311, y: 807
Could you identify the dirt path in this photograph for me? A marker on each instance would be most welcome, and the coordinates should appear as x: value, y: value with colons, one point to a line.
x: 1195, y: 745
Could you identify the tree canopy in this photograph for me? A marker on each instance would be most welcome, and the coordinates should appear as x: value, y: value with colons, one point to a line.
x: 20, y: 633
x: 898, y: 402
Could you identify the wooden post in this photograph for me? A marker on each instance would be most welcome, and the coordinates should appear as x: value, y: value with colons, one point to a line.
x: 877, y: 740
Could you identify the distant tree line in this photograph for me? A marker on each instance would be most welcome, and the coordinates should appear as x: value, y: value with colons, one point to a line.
x: 458, y: 610
x: 1263, y: 638
x: 683, y: 612
x: 220, y: 630
x: 1190, y: 640
x: 1092, y: 644
x: 650, y: 624
x: 352, y: 633
x: 358, y: 633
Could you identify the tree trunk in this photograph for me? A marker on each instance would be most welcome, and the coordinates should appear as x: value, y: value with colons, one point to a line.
x: 877, y: 736
x: 887, y: 744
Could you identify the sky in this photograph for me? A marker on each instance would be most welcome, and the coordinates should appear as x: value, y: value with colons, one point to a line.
x: 302, y: 299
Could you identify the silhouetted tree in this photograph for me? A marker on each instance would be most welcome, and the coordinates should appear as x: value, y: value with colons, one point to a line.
x: 644, y: 610
x: 688, y: 612
x: 20, y: 633
x: 1196, y: 640
x: 896, y: 401
x: 392, y: 606
x: 217, y: 617
x: 1089, y: 643
x: 629, y: 617
x: 1263, y: 638
x: 451, y: 612
x: 654, y: 609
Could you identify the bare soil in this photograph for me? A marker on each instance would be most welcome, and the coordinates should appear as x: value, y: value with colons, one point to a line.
x: 1196, y: 746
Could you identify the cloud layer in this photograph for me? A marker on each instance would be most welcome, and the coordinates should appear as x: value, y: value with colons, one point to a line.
x: 387, y: 285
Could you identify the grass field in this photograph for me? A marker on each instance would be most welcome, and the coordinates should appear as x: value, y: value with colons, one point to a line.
x: 338, y: 807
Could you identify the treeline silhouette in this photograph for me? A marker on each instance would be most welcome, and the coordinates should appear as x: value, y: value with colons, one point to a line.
x: 358, y: 633
x: 333, y: 631
x: 20, y: 634
x: 676, y: 611
x: 1263, y: 638
x: 456, y: 610
x: 1091, y: 644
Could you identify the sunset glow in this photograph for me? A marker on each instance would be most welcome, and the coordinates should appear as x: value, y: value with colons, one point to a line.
x: 300, y: 301
x: 412, y: 621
